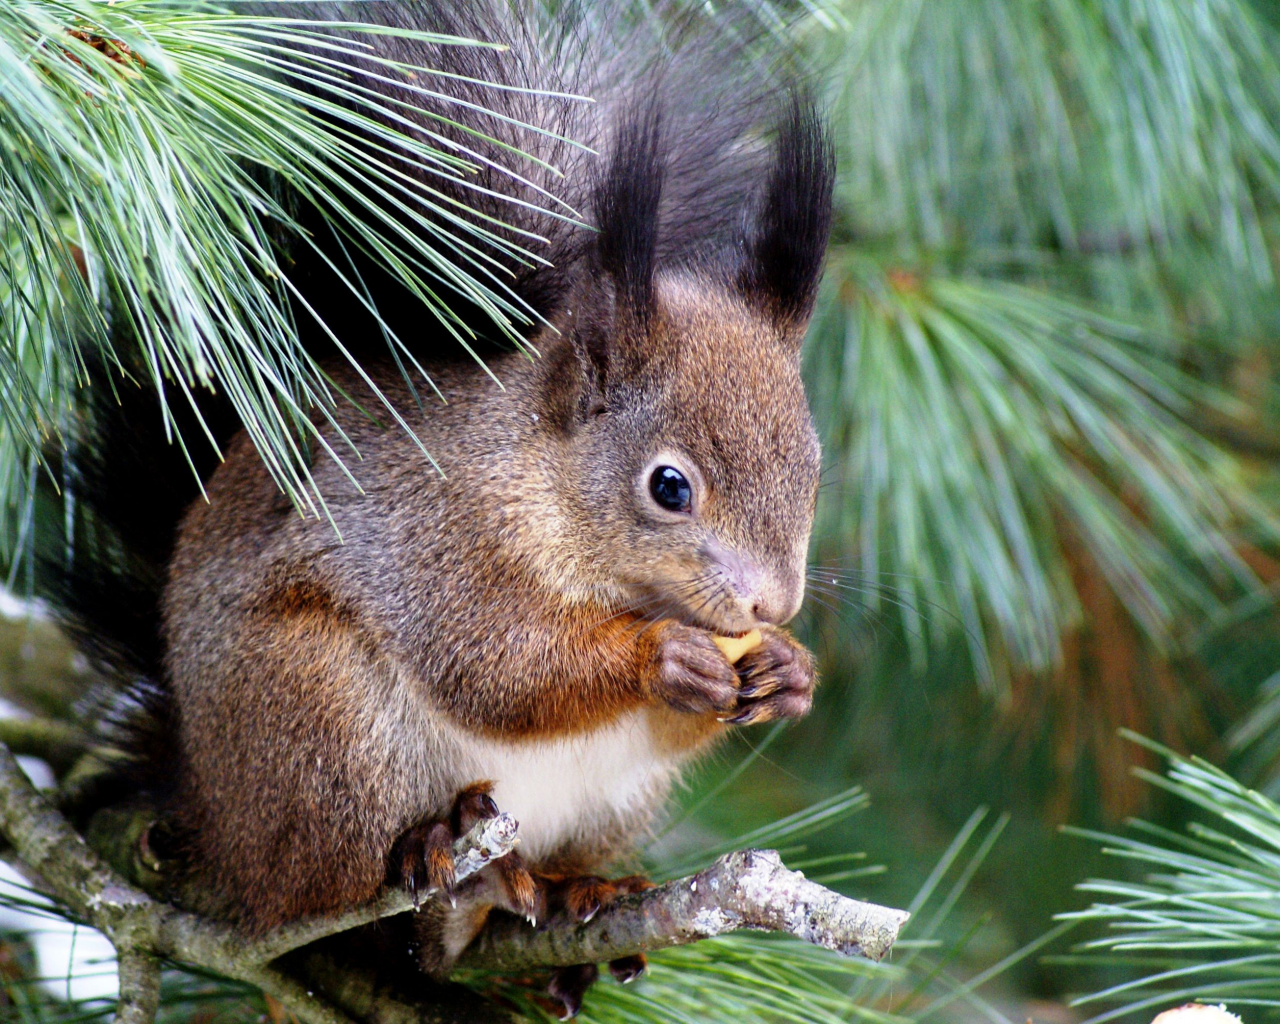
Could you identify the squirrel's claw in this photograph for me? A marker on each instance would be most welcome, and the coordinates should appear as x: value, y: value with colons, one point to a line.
x: 777, y: 681
x: 627, y: 969
x: 692, y: 673
x: 440, y: 866
x: 752, y: 716
x: 423, y: 855
x: 425, y: 860
x: 583, y: 897
x: 569, y: 985
x: 471, y: 805
x: 518, y: 885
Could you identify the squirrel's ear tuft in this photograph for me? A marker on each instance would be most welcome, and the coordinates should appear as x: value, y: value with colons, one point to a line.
x: 625, y: 204
x: 785, y: 253
x: 612, y: 322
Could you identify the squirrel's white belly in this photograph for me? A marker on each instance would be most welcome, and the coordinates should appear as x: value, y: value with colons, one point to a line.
x: 572, y: 788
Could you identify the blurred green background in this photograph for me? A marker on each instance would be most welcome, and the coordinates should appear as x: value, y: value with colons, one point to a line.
x: 1044, y: 367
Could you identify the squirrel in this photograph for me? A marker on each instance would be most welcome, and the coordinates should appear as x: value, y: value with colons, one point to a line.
x: 532, y: 627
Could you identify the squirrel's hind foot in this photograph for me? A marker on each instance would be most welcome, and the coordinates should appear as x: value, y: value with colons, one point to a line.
x: 627, y: 969
x: 422, y: 858
x: 568, y: 986
x: 584, y: 896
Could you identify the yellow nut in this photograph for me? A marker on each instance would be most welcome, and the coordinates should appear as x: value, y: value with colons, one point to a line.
x: 734, y: 647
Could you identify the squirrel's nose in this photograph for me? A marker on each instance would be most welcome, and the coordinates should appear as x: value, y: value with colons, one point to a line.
x: 771, y: 599
x: 777, y: 603
x: 762, y: 611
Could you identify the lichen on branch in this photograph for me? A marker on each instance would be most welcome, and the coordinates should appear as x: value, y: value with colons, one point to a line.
x: 750, y: 889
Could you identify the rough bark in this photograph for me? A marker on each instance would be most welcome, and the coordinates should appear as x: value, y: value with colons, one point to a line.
x: 139, y: 988
x: 749, y: 889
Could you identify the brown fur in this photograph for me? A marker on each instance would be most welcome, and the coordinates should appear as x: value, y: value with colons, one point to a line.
x: 526, y: 593
x: 322, y: 711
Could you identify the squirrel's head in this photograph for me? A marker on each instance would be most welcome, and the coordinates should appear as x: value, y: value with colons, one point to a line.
x: 697, y: 458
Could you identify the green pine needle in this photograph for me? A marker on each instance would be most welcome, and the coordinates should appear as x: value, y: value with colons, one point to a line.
x: 1201, y: 923
x: 977, y: 426
x: 132, y: 140
x: 1049, y: 217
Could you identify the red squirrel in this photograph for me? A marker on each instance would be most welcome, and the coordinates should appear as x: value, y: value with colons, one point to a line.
x: 531, y: 628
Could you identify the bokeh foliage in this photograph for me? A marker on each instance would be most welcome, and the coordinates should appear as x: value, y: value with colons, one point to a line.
x: 1009, y: 359
x: 1043, y: 366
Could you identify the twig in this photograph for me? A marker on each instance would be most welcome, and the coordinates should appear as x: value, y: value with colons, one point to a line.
x: 485, y: 843
x: 48, y: 846
x: 61, y: 744
x: 139, y: 988
x: 62, y: 862
x: 748, y: 889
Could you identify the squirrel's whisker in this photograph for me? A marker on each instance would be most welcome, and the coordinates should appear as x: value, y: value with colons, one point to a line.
x: 840, y: 565
x: 895, y: 597
x: 843, y: 603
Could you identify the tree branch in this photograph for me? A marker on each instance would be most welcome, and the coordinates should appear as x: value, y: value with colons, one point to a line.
x: 749, y: 889
x: 139, y: 988
x: 58, y: 743
x: 218, y: 945
x: 47, y: 845
x: 486, y: 842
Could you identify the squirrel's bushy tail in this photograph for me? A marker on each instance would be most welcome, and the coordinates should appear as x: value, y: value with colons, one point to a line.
x: 125, y: 485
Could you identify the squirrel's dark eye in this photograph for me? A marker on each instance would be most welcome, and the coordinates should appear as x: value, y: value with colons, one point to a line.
x: 671, y: 490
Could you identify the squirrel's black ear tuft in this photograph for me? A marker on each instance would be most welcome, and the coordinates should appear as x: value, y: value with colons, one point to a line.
x: 609, y: 335
x: 625, y: 204
x: 785, y: 254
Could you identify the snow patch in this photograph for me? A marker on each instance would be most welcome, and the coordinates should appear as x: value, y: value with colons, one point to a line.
x: 74, y: 961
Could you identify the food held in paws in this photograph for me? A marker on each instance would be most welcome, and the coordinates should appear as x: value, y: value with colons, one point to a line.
x: 735, y: 647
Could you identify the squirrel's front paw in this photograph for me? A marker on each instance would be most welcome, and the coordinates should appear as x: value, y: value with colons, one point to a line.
x: 692, y: 673
x: 777, y: 681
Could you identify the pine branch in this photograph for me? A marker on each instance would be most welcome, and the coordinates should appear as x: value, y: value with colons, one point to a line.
x: 1191, y: 918
x: 749, y: 889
